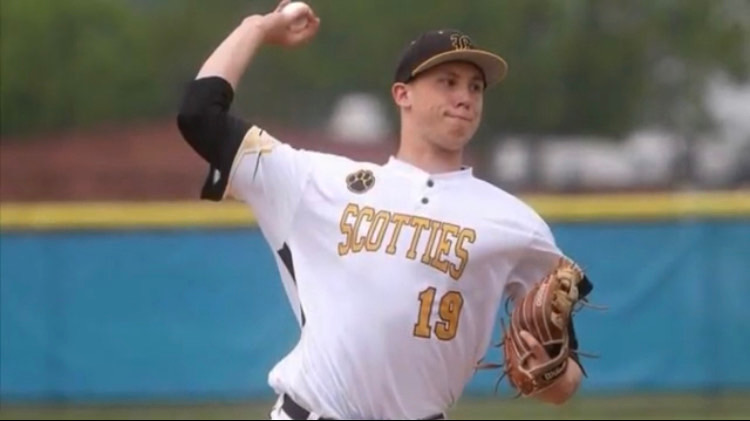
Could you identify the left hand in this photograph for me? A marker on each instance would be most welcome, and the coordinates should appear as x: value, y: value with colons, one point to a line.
x: 565, y: 386
x: 539, y: 355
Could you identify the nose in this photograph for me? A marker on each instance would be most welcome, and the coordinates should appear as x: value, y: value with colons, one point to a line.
x: 463, y: 99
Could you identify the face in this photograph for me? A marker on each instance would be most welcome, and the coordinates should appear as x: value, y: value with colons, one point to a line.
x: 444, y: 104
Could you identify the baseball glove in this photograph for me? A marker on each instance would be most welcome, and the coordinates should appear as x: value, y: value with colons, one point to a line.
x: 545, y: 312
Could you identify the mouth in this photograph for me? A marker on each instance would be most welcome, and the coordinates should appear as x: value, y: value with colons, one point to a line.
x: 460, y: 117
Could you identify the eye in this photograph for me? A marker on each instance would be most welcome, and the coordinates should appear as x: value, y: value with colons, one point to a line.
x: 449, y: 82
x: 477, y: 87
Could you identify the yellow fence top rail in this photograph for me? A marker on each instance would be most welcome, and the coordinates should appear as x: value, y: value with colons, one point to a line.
x: 554, y: 208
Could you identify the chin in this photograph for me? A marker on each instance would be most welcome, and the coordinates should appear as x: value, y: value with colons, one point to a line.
x: 457, y: 140
x: 455, y: 144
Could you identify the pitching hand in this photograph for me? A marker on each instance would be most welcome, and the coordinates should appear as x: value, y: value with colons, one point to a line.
x: 277, y: 26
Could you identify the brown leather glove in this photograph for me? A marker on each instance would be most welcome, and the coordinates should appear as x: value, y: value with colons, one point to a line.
x: 544, y: 311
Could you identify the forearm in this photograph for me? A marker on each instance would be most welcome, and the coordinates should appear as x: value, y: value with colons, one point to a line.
x: 232, y: 57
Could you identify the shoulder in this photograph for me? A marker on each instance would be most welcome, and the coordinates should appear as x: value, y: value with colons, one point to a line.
x: 502, y: 203
x: 327, y: 169
x: 503, y: 207
x: 259, y: 139
x: 332, y: 164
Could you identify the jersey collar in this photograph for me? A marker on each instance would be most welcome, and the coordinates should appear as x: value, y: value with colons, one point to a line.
x: 405, y: 167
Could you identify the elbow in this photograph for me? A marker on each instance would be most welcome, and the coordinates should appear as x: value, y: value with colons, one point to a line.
x: 197, y: 110
x: 193, y: 126
x: 202, y: 115
x: 189, y: 122
x: 194, y: 113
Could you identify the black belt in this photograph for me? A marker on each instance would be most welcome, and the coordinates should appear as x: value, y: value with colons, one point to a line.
x: 296, y: 412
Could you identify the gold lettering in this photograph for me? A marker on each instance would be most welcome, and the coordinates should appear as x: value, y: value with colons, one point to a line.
x: 346, y: 228
x: 467, y: 234
x: 444, y: 247
x: 359, y: 243
x: 399, y: 219
x: 461, y: 42
x: 419, y: 224
x: 442, y: 239
x: 381, y: 217
x: 434, y: 227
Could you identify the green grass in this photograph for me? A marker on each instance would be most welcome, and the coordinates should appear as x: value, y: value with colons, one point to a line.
x: 716, y: 406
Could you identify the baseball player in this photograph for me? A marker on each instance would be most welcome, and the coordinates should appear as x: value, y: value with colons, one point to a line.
x: 395, y: 272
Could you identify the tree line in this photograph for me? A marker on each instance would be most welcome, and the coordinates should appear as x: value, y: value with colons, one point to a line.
x: 600, y: 67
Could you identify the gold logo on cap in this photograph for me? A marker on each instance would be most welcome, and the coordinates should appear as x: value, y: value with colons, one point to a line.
x: 461, y: 42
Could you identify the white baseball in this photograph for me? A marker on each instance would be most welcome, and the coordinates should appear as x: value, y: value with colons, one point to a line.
x: 299, y: 11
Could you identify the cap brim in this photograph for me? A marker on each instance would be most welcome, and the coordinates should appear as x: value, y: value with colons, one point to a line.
x: 494, y: 67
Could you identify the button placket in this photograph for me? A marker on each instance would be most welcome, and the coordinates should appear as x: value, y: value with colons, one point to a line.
x: 430, y: 184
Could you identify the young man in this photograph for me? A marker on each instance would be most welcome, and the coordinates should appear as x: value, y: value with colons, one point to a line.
x: 395, y: 272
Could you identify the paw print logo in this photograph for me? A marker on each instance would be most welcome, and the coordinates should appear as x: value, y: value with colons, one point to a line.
x: 360, y: 181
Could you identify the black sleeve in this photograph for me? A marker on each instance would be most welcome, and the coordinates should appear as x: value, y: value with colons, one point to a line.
x: 574, y: 345
x: 584, y: 289
x: 205, y: 123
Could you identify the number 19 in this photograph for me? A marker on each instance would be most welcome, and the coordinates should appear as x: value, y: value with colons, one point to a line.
x: 449, y: 312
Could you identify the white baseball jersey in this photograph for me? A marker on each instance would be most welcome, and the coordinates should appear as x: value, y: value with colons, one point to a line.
x: 395, y: 275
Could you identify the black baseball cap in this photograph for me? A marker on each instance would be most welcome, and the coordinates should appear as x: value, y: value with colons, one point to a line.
x: 439, y: 46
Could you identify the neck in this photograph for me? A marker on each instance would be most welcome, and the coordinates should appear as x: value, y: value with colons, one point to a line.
x: 427, y: 156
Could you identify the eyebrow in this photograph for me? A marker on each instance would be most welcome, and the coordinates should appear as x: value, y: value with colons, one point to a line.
x: 454, y: 74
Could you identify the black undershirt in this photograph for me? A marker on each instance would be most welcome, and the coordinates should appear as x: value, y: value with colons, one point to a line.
x: 206, y: 124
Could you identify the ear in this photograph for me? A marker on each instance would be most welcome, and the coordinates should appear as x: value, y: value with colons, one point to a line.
x: 401, y: 95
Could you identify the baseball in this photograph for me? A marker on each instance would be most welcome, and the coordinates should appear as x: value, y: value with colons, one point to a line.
x: 299, y: 11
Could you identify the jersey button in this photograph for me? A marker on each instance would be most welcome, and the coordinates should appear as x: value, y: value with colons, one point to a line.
x: 430, y: 183
x: 425, y: 200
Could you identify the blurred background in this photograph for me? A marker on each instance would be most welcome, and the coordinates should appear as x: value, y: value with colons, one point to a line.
x: 626, y: 124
